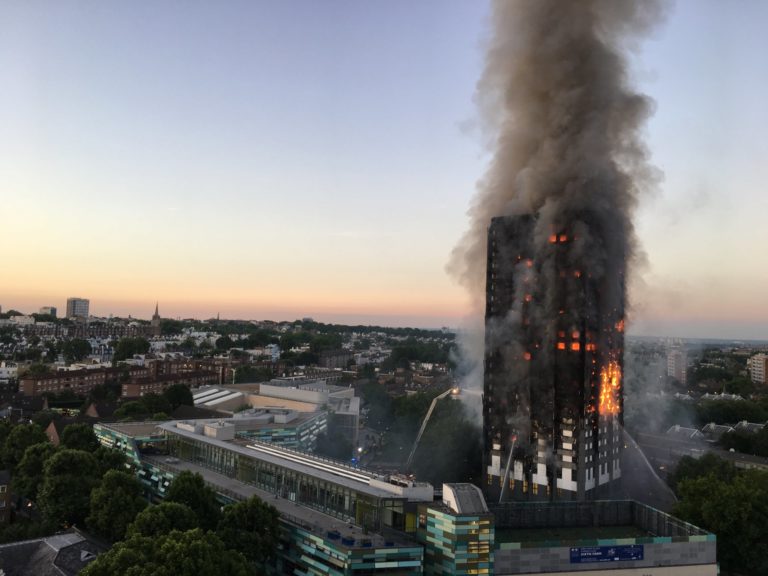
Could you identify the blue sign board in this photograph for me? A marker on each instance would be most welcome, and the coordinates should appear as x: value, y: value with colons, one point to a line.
x: 606, y: 553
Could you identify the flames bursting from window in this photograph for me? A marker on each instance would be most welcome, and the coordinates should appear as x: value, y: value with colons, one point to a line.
x: 610, y: 388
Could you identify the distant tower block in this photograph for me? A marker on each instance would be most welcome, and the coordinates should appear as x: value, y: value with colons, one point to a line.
x: 78, y: 308
x: 49, y: 311
x: 554, y: 343
x: 677, y: 362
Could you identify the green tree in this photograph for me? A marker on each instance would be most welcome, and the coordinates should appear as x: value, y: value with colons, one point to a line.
x: 190, y: 553
x: 368, y: 371
x: 736, y: 511
x: 325, y: 342
x: 260, y: 338
x: 189, y: 344
x: 307, y: 359
x: 30, y: 471
x: 21, y: 437
x: 294, y: 339
x: 38, y: 369
x: 79, y: 436
x: 156, y: 403
x: 450, y: 449
x: 69, y: 476
x: 755, y: 443
x: 75, y: 350
x: 178, y: 395
x: 115, y: 504
x: 247, y: 374
x: 252, y: 528
x: 127, y: 347
x: 689, y: 468
x: 729, y: 412
x: 170, y: 327
x: 224, y: 343
x: 5, y: 429
x: 379, y: 405
x: 133, y: 410
x: 191, y: 490
x: 162, y: 519
x: 108, y: 459
x: 109, y: 391
x: 45, y: 417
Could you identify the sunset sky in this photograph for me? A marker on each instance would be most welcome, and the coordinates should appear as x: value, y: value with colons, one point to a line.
x: 279, y: 159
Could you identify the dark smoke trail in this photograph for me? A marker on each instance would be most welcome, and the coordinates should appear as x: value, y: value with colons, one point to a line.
x: 563, y: 125
x: 568, y: 161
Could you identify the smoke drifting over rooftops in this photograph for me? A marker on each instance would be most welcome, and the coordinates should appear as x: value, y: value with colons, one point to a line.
x: 563, y: 124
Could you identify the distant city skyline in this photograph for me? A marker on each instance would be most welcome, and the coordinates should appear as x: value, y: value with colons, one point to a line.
x: 276, y: 161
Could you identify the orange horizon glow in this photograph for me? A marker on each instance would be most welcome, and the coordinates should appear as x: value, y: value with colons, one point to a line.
x: 438, y: 312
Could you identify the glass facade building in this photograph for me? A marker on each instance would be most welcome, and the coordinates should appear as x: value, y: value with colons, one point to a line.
x: 300, y: 433
x: 343, y: 492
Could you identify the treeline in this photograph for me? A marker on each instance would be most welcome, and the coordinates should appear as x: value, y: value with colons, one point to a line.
x: 413, y: 350
x: 450, y: 447
x: 731, y: 411
x: 156, y: 406
x: 746, y: 442
x: 229, y: 327
x: 731, y: 503
x: 58, y: 480
x: 188, y: 534
x: 81, y: 483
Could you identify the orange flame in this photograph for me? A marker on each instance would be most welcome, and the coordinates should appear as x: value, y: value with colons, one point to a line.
x: 620, y: 325
x: 610, y: 388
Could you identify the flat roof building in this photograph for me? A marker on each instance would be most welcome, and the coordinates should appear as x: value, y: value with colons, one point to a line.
x: 78, y: 307
x: 342, y: 520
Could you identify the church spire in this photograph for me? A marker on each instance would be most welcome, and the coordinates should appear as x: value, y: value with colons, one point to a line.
x: 156, y: 317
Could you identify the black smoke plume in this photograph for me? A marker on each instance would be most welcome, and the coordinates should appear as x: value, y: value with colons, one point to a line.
x: 563, y: 124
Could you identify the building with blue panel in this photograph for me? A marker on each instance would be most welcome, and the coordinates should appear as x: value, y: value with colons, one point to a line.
x: 606, y: 537
x: 339, y: 520
x: 457, y: 534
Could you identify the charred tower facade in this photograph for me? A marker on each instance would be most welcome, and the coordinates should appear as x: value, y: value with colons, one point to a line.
x: 552, y: 399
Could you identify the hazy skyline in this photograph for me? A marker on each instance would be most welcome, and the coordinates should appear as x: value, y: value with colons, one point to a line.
x: 279, y: 160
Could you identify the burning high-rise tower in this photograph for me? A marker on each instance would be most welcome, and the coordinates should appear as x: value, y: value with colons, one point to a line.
x: 551, y: 233
x: 552, y: 402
